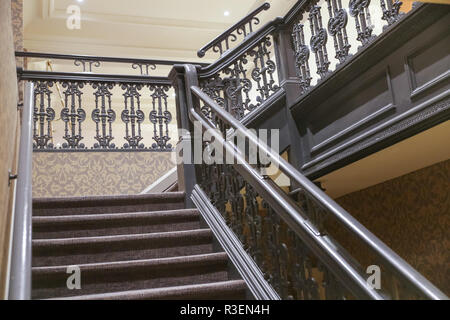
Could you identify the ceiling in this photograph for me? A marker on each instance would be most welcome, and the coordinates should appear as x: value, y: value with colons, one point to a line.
x: 169, y: 29
x: 417, y: 152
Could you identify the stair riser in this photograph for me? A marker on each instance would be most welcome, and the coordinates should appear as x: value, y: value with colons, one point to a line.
x: 97, y: 282
x: 93, y: 230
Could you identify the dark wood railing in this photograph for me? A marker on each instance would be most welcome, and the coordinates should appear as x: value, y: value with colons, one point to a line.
x: 286, y: 239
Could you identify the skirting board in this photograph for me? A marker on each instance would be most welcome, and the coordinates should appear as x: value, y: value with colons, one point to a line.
x: 245, y: 265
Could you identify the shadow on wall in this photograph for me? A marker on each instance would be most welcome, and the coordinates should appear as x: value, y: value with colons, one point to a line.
x: 411, y: 214
x: 96, y: 173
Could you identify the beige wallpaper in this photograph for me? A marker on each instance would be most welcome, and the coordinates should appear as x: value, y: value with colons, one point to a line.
x: 17, y: 23
x: 411, y: 214
x: 8, y: 128
x: 96, y: 173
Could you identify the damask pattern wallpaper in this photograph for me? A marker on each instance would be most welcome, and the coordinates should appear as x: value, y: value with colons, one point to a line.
x: 97, y: 173
x: 17, y: 23
x: 411, y: 214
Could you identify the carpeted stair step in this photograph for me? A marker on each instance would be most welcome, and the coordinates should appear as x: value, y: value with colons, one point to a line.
x: 108, y: 204
x: 226, y: 290
x: 95, y: 225
x: 75, y: 251
x: 49, y: 282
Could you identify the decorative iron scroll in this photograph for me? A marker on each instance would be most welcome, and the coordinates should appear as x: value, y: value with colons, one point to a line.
x: 336, y: 28
x: 246, y: 83
x: 243, y: 28
x: 74, y: 104
x: 359, y: 9
x: 133, y: 116
x: 391, y: 10
x: 44, y: 114
x: 103, y: 116
x: 319, y: 41
x: 301, y: 57
x: 160, y: 117
x: 87, y: 64
x: 144, y: 67
x: 73, y: 115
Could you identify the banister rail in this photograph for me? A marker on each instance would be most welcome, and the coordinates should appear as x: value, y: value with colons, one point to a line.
x: 28, y: 54
x: 228, y: 35
x: 87, y: 62
x: 20, y: 275
x: 409, y: 277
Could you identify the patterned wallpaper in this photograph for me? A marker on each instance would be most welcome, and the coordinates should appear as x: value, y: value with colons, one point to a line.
x: 97, y: 173
x: 17, y: 25
x: 411, y: 214
x: 17, y: 22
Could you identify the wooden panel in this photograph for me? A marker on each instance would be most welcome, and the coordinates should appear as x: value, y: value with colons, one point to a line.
x: 358, y: 111
x: 8, y: 121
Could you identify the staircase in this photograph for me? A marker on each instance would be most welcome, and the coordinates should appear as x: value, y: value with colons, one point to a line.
x: 127, y: 247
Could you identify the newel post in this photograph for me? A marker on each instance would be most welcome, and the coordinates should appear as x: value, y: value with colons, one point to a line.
x: 187, y: 178
x: 289, y: 80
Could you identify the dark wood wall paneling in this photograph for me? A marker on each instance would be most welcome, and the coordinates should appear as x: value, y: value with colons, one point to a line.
x: 396, y: 88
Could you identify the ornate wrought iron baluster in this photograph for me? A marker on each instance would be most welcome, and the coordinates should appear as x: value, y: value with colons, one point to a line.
x: 319, y: 41
x: 391, y: 10
x: 263, y: 71
x: 133, y: 116
x: 301, y: 57
x: 336, y: 28
x: 103, y: 115
x: 237, y: 87
x: 160, y: 117
x: 254, y: 241
x: 74, y: 115
x: 214, y: 88
x: 359, y: 9
x: 43, y: 115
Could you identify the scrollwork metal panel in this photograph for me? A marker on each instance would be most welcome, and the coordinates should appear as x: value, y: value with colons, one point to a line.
x: 391, y: 10
x: 319, y: 41
x: 359, y: 9
x: 103, y: 115
x: 133, y: 116
x: 43, y: 115
x: 160, y: 117
x: 301, y: 57
x: 336, y: 28
x: 73, y: 115
x: 243, y: 85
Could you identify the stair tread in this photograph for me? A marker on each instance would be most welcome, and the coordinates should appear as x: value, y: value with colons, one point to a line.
x: 180, y: 292
x: 157, y: 263
x: 121, y: 238
x: 108, y: 200
x: 150, y: 215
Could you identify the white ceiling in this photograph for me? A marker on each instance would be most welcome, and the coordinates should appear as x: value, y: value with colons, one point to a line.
x: 168, y: 29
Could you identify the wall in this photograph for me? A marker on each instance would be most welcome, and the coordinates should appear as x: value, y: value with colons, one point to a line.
x: 411, y: 214
x: 8, y: 127
x: 96, y: 173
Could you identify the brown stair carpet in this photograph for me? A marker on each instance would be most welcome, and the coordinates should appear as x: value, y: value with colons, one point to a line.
x: 127, y: 247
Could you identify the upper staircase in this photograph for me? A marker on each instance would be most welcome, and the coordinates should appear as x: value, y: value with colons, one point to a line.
x: 127, y: 247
